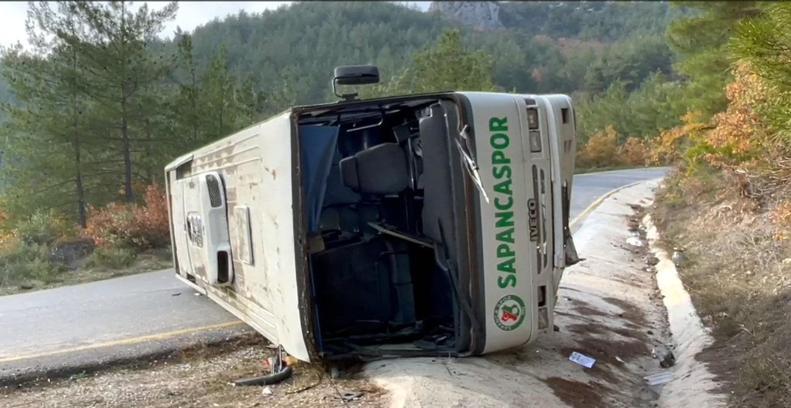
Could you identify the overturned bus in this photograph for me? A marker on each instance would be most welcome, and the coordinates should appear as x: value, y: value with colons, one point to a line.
x: 414, y: 225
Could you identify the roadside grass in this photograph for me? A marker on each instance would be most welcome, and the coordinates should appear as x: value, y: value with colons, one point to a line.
x: 31, y: 269
x: 739, y: 276
x: 111, y: 258
x: 127, y: 263
x: 46, y: 249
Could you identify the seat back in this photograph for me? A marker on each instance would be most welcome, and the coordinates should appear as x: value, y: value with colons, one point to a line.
x: 336, y: 213
x: 381, y: 169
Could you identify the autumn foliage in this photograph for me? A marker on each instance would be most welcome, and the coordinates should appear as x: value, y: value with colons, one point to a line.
x: 738, y: 144
x: 742, y: 145
x: 633, y: 152
x: 739, y: 133
x: 670, y: 146
x: 603, y: 150
x: 600, y: 151
x: 131, y: 225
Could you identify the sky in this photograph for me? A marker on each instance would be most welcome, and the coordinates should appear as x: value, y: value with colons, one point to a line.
x: 190, y: 15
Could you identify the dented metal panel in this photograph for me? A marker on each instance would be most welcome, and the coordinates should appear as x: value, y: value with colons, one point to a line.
x: 256, y: 170
x: 562, y: 153
x: 523, y: 156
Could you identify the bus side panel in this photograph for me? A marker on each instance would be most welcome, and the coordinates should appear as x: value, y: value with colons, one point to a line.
x: 255, y: 166
x: 510, y: 318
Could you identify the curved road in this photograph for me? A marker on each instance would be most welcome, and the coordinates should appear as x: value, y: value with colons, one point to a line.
x: 79, y: 326
x: 589, y: 187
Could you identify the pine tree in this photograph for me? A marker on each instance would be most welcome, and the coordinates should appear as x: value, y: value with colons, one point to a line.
x: 450, y: 66
x: 219, y: 98
x: 447, y: 66
x: 765, y: 44
x: 46, y: 126
x: 122, y: 69
x: 185, y: 109
x: 700, y: 42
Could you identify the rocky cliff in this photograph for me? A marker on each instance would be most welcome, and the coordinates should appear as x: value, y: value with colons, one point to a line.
x: 481, y: 15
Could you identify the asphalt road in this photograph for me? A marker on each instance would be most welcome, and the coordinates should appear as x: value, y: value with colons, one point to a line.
x: 589, y: 187
x: 73, y: 327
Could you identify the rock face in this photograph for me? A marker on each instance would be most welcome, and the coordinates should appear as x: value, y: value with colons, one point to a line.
x: 481, y: 15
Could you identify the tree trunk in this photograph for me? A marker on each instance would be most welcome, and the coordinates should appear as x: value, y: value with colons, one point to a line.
x: 220, y: 118
x: 194, y: 101
x: 80, y: 189
x: 149, y: 177
x: 129, y: 195
x: 78, y: 185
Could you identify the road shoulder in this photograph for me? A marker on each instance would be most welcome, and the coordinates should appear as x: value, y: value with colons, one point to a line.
x: 609, y: 308
x: 98, y: 357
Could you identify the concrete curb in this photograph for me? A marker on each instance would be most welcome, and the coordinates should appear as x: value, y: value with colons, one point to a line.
x: 585, y: 213
x: 693, y: 383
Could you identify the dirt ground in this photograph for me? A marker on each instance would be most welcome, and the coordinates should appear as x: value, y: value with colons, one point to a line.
x: 739, y: 276
x: 198, y: 378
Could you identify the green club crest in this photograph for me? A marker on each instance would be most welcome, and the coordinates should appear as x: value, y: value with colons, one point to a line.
x: 509, y: 312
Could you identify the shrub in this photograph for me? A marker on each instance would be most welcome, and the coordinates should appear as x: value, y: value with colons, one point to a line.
x: 739, y: 133
x: 741, y: 143
x: 600, y: 151
x: 25, y: 250
x: 22, y: 262
x: 110, y: 226
x: 131, y: 225
x: 112, y: 257
x: 634, y: 152
x: 670, y: 146
x: 4, y: 224
x: 43, y: 228
x: 152, y: 219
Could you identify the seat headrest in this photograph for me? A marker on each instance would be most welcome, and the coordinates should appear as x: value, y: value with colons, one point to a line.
x: 381, y: 169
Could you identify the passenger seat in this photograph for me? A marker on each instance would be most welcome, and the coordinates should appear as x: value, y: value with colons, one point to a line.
x: 379, y: 170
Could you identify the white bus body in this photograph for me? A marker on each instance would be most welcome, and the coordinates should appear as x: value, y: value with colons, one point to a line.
x: 416, y: 225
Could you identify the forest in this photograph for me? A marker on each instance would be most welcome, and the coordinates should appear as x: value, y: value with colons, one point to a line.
x: 100, y: 101
x: 101, y: 98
